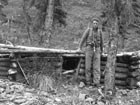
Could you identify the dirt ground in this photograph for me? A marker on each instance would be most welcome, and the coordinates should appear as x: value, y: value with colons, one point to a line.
x: 13, y: 93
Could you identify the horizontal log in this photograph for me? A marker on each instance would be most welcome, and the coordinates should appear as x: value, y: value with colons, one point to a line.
x: 74, y: 55
x: 117, y: 70
x: 117, y: 64
x: 4, y: 55
x: 135, y: 74
x: 10, y: 48
x: 5, y: 64
x: 135, y: 62
x: 103, y: 63
x: 3, y: 77
x: 138, y: 78
x: 117, y: 82
x: 4, y: 59
x: 68, y: 72
x: 4, y: 68
x: 132, y: 82
x: 118, y: 75
x: 135, y: 67
x: 122, y: 54
x: 24, y: 49
x: 135, y: 58
x: 3, y: 73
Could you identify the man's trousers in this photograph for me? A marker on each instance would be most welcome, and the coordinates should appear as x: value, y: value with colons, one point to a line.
x: 92, y: 64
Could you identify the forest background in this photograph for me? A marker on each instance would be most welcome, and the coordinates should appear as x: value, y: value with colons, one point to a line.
x: 19, y: 25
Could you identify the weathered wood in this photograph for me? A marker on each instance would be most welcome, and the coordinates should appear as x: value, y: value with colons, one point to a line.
x: 135, y: 62
x: 135, y: 55
x: 4, y: 64
x: 4, y: 68
x: 103, y: 63
x: 135, y: 73
x: 4, y: 60
x: 3, y: 73
x: 117, y: 69
x: 132, y: 83
x: 117, y: 82
x: 117, y: 64
x: 111, y: 59
x: 78, y: 69
x: 135, y: 67
x: 68, y: 72
x: 22, y: 49
x: 22, y: 71
x: 3, y: 77
x: 135, y: 58
x: 9, y: 48
x: 138, y: 78
x: 82, y: 65
x: 81, y: 71
x: 74, y: 55
x: 118, y: 75
x: 4, y: 55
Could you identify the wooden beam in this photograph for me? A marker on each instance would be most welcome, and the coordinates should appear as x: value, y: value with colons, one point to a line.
x: 19, y: 49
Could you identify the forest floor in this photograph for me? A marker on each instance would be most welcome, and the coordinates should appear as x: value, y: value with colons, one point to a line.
x: 13, y: 93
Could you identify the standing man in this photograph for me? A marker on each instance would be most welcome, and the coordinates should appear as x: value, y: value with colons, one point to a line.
x: 93, y: 38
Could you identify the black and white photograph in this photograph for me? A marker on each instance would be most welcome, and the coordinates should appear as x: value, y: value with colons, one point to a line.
x: 69, y: 52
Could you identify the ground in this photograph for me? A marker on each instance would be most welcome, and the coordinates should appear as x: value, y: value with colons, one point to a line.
x: 13, y: 93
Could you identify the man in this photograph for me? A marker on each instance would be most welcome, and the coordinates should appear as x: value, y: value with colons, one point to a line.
x: 93, y: 38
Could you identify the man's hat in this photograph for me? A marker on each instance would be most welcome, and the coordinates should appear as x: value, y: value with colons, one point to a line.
x: 96, y: 19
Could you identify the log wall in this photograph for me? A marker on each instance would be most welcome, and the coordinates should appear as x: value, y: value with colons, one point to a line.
x: 55, y: 62
x: 33, y: 67
x: 122, y: 70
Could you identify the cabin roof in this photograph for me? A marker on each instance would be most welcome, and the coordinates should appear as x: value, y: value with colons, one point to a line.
x: 6, y: 49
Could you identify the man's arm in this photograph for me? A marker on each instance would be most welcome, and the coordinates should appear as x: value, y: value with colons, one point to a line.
x: 84, y: 37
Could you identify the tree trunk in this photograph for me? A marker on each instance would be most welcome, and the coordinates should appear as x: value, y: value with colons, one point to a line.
x: 49, y: 19
x: 111, y: 60
x: 27, y: 22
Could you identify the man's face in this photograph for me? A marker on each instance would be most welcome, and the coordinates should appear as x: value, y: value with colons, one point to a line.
x: 95, y: 24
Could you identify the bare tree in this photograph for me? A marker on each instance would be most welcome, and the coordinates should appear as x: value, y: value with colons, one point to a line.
x: 111, y: 59
x: 27, y: 20
x: 49, y: 19
x: 50, y: 13
x: 119, y: 15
